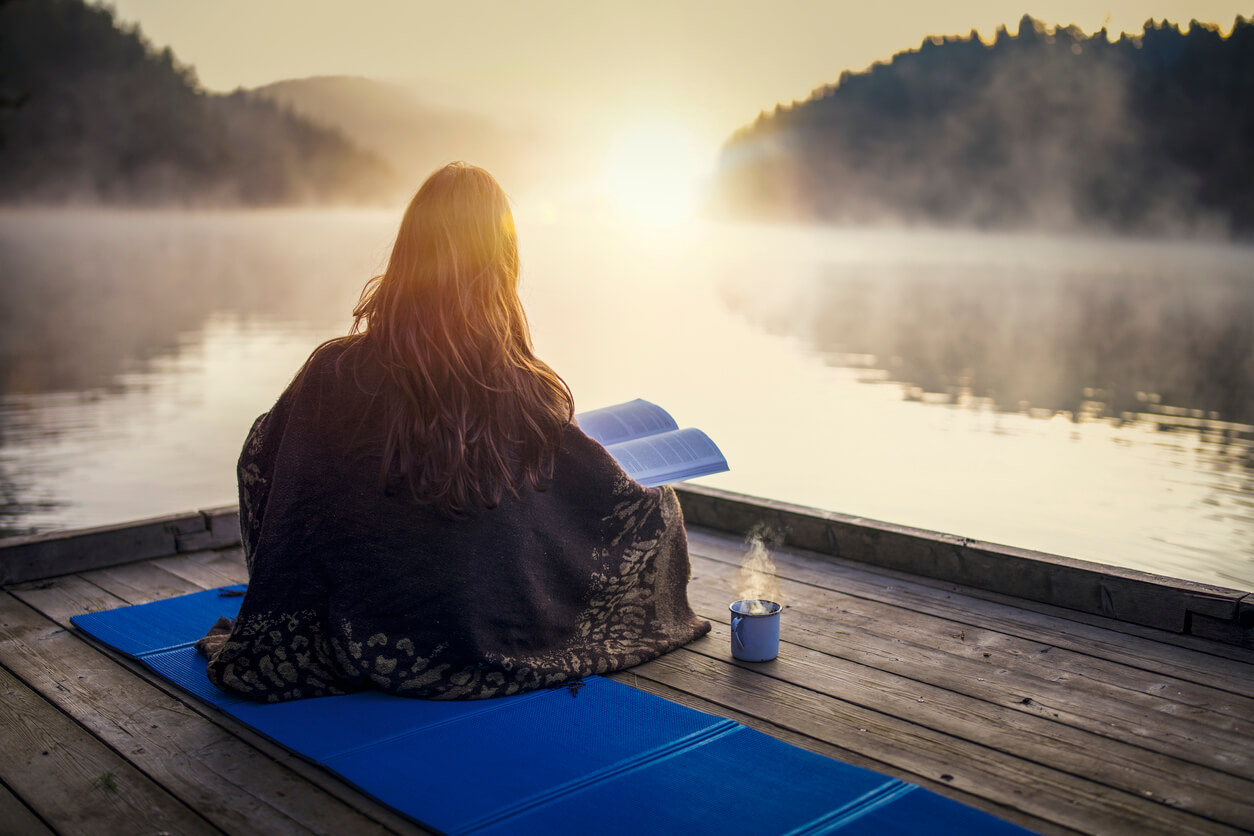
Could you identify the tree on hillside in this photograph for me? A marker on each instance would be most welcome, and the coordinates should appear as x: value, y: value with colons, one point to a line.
x: 1048, y: 127
x: 105, y: 116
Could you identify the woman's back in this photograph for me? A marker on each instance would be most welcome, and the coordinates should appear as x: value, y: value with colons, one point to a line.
x: 420, y: 513
x: 354, y: 584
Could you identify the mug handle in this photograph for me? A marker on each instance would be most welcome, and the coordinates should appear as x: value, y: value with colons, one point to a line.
x: 736, y: 630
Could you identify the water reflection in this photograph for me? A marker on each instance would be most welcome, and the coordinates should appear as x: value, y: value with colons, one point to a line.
x: 159, y: 440
x: 1091, y: 328
x: 91, y: 295
x: 1122, y: 371
x: 981, y: 385
x: 106, y: 316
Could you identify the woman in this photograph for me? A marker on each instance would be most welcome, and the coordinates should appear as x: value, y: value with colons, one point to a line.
x: 421, y: 514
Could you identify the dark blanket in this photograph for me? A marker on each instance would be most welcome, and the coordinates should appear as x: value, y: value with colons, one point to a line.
x: 354, y: 585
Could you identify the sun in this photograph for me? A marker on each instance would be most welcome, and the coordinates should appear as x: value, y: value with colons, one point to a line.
x: 655, y: 172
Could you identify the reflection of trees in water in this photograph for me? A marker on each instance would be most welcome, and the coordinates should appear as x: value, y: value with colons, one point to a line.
x: 17, y: 497
x: 1115, y: 343
x: 89, y: 295
x: 16, y: 507
x: 12, y: 508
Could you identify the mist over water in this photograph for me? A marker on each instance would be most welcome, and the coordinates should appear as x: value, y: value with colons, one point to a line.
x: 1092, y: 327
x: 1086, y: 397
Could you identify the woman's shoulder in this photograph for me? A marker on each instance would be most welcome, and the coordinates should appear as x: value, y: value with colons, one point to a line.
x: 575, y: 440
x: 584, y: 460
x: 329, y: 354
x: 330, y: 362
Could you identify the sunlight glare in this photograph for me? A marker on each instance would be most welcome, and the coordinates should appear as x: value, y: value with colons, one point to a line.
x: 655, y: 172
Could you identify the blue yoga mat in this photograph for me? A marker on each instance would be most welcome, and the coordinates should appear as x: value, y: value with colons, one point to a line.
x: 600, y: 757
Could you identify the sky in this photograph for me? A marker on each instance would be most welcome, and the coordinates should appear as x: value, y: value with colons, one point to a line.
x: 645, y: 79
x: 718, y: 61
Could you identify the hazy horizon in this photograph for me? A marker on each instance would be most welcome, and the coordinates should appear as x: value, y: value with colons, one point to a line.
x: 1011, y: 388
x: 621, y: 93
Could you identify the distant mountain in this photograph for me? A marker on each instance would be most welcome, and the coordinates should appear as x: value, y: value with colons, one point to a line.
x: 1050, y: 128
x: 413, y: 136
x: 91, y: 112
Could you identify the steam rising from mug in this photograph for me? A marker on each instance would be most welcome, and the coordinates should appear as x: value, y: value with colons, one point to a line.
x: 757, y: 579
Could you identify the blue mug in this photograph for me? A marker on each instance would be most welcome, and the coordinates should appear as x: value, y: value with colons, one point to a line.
x: 755, y: 630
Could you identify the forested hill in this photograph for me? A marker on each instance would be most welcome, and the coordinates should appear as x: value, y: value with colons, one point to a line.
x: 410, y: 134
x: 1050, y: 128
x: 91, y: 112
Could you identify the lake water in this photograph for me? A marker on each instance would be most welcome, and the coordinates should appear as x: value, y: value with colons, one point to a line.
x: 1083, y: 397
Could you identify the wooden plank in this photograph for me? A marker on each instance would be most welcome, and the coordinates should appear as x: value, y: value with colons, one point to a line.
x: 310, y: 772
x: 134, y: 580
x: 202, y: 574
x: 822, y: 747
x: 71, y: 595
x: 228, y: 562
x: 16, y: 819
x: 59, y: 599
x: 1040, y: 738
x: 1195, y: 642
x: 1222, y: 630
x: 139, y: 580
x: 963, y: 656
x: 221, y: 530
x: 74, y: 782
x: 139, y: 583
x: 1113, y: 591
x: 45, y: 555
x: 998, y: 777
x: 67, y: 594
x: 901, y: 590
x: 237, y: 788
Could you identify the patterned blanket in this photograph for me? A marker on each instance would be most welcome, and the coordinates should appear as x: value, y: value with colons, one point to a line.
x: 353, y: 584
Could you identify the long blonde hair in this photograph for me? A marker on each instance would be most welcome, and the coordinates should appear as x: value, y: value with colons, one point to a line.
x: 471, y: 412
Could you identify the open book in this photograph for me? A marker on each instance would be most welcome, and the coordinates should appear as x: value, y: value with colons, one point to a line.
x: 649, y: 445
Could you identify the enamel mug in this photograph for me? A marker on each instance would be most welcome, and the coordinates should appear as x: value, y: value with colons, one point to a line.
x: 754, y: 630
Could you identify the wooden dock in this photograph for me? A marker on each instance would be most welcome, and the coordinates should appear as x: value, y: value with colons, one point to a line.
x: 1063, y: 696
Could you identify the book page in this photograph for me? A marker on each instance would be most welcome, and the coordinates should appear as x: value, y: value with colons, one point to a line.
x: 669, y: 457
x: 624, y: 421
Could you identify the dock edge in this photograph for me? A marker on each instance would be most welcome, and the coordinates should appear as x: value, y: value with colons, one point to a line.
x: 1179, y: 606
x: 37, y: 556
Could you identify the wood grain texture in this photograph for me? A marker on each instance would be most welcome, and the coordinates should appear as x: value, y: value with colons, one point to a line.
x: 16, y: 819
x: 1113, y: 591
x: 237, y: 788
x: 74, y: 782
x: 1132, y: 597
x: 1059, y: 721
x: 205, y: 575
x: 66, y: 596
x: 227, y: 562
x: 47, y: 555
x: 910, y: 594
x: 139, y: 583
x: 993, y: 776
x: 69, y: 596
x: 1041, y: 738
x: 221, y: 530
x: 1107, y: 698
